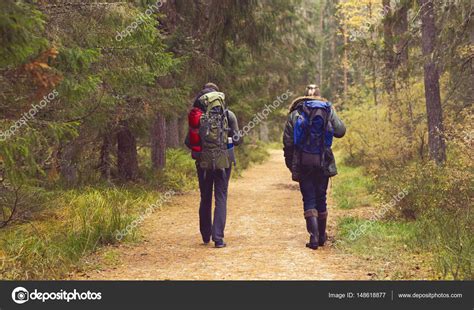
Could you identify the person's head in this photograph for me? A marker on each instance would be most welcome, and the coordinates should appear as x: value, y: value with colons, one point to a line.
x: 212, y: 86
x: 312, y: 90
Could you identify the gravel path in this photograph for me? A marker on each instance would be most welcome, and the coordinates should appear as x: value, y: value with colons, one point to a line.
x: 265, y: 235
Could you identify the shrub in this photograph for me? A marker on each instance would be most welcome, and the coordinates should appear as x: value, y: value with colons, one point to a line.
x: 448, y: 236
x: 88, y: 218
x: 247, y: 154
x: 352, y: 187
x: 180, y: 171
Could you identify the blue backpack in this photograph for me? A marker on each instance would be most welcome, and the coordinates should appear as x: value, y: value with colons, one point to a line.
x: 313, y: 133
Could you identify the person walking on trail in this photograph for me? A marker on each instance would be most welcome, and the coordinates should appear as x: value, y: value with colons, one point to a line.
x: 312, y: 124
x: 213, y: 132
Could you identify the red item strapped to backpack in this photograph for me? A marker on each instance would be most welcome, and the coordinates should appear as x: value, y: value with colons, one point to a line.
x: 194, y: 119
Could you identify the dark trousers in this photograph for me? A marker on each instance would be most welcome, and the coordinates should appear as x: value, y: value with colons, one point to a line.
x: 219, y: 181
x: 313, y: 186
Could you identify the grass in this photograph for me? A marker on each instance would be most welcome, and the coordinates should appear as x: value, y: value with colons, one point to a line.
x: 377, y: 239
x: 389, y: 245
x: 352, y: 188
x: 67, y: 225
x: 449, y: 237
x: 180, y: 171
x: 439, y: 239
x: 82, y: 221
x: 178, y: 175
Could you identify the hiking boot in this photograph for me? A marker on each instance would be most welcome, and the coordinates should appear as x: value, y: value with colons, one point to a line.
x: 220, y: 244
x: 322, y: 221
x: 313, y: 243
x: 312, y: 227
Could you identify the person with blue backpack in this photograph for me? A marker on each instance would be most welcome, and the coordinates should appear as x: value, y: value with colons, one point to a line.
x: 312, y: 124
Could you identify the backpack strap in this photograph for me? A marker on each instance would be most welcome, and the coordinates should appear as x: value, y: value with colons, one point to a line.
x: 311, y: 116
x: 326, y: 123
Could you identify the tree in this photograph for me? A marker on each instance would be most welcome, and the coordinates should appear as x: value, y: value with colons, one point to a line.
x: 388, y: 47
x: 127, y: 161
x: 172, y: 132
x: 434, y: 110
x: 105, y: 159
x: 400, y: 31
x: 158, y: 142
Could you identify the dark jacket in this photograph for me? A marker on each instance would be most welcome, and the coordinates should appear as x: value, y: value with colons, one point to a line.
x: 290, y: 152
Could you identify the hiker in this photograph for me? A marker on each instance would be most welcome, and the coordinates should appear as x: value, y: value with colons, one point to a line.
x: 213, y: 132
x: 308, y: 136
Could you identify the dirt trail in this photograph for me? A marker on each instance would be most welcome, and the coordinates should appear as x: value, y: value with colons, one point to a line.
x: 265, y: 234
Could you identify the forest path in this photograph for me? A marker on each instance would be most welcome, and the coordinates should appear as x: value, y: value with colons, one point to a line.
x: 265, y: 235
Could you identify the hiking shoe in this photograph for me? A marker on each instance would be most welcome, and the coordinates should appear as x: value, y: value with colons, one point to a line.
x: 322, y: 221
x: 312, y: 227
x: 313, y: 243
x: 220, y: 244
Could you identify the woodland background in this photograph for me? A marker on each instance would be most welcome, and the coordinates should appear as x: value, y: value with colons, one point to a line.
x: 400, y: 73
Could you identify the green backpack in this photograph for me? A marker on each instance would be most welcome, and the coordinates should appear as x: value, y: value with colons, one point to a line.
x: 213, y: 131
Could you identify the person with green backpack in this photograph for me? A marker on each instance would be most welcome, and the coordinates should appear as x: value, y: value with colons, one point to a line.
x: 213, y: 133
x: 312, y: 124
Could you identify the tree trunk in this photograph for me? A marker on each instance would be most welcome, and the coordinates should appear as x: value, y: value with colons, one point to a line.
x: 322, y: 44
x: 332, y: 76
x: 104, y: 160
x: 434, y: 111
x: 400, y: 28
x: 126, y: 153
x: 345, y: 65
x: 172, y: 133
x: 67, y: 163
x: 158, y: 142
x: 182, y: 125
x: 264, y: 132
x: 388, y: 47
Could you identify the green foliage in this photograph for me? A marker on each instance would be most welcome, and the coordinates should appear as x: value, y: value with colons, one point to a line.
x: 18, y: 43
x: 70, y: 224
x: 440, y: 199
x: 247, y: 154
x: 180, y: 171
x: 381, y: 239
x: 386, y: 135
x: 390, y: 248
x: 370, y: 237
x: 254, y: 52
x: 448, y: 235
x: 85, y: 219
x: 429, y: 187
x: 352, y: 187
x: 179, y: 174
